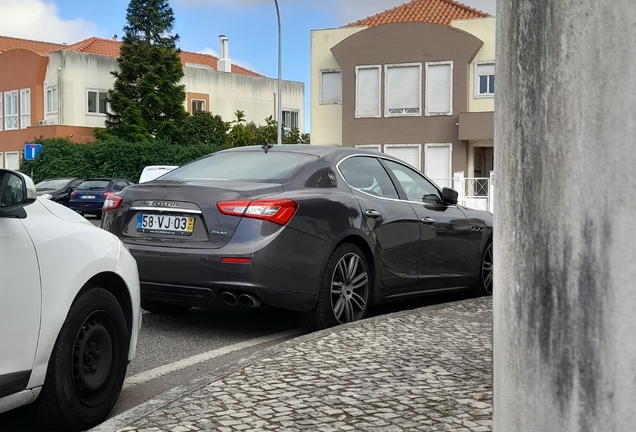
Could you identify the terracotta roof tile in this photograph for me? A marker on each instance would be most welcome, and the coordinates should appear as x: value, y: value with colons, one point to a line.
x: 109, y: 48
x: 431, y: 11
x: 9, y: 43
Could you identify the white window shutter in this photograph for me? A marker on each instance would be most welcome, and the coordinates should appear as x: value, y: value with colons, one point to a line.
x: 368, y: 92
x: 438, y: 164
x: 331, y: 87
x: 439, y: 89
x: 403, y: 89
x: 486, y: 69
x: 409, y: 154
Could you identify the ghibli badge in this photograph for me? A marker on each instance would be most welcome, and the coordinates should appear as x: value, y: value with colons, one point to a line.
x: 162, y: 204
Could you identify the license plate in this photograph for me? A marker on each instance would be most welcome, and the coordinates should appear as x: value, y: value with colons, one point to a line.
x: 160, y: 224
x: 88, y: 197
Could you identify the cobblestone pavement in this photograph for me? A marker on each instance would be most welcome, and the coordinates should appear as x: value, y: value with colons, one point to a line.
x: 429, y: 370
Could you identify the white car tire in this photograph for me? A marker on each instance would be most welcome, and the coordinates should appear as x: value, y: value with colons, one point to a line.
x: 88, y: 364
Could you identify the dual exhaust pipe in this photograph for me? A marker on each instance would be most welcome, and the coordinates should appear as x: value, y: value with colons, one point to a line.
x: 247, y: 300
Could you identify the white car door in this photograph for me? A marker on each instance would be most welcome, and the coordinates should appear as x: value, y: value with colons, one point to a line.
x: 20, y: 305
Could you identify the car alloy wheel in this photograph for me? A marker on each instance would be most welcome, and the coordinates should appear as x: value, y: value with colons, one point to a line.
x: 349, y: 288
x: 486, y: 270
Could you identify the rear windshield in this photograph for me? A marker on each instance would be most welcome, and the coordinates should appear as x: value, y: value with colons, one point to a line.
x: 243, y: 165
x: 53, y: 184
x: 94, y: 184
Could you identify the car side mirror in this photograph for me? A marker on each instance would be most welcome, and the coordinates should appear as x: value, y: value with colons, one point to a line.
x: 16, y: 191
x: 449, y: 196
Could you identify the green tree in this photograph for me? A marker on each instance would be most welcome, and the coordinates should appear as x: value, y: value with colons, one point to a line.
x: 147, y: 100
x: 240, y: 135
x: 204, y: 128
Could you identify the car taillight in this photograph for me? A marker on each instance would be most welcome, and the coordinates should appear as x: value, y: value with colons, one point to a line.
x: 73, y: 194
x: 279, y: 211
x: 112, y: 201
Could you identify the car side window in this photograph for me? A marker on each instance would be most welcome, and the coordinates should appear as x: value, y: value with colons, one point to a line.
x: 416, y: 186
x: 11, y: 191
x: 367, y: 174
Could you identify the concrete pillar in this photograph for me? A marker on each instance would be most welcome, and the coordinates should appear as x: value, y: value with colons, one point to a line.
x: 565, y: 214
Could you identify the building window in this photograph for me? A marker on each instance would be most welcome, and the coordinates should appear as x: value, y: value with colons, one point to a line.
x: 409, y: 153
x: 330, y: 87
x: 1, y: 122
x: 403, y: 90
x: 51, y: 100
x: 11, y: 110
x: 25, y: 108
x: 376, y: 147
x: 439, y: 88
x: 290, y: 120
x: 484, y: 80
x: 367, y: 91
x: 96, y: 101
x: 438, y: 160
x: 12, y: 160
x: 198, y: 105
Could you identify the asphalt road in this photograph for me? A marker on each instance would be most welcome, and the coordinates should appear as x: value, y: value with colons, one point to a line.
x: 172, y: 350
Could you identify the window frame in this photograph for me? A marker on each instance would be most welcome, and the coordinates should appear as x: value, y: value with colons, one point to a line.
x: 291, y: 112
x: 476, y: 93
x: 450, y: 162
x: 15, y: 115
x: 376, y: 147
x: 193, y: 100
x: 367, y: 190
x: 6, y: 159
x: 388, y: 113
x: 428, y: 113
x: 379, y: 69
x: 419, y: 152
x: 53, y: 101
x: 97, y: 105
x: 321, y: 87
x: 1, y: 114
x: 25, y: 115
x: 417, y: 174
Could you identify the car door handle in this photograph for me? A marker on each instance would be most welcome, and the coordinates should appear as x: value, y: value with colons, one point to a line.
x: 427, y: 220
x: 373, y: 213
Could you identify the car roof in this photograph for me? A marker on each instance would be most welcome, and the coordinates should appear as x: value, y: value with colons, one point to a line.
x: 312, y: 149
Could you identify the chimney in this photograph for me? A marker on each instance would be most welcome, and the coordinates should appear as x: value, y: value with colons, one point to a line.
x: 224, y: 64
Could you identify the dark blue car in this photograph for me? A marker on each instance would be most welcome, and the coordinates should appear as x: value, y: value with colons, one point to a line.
x: 90, y: 195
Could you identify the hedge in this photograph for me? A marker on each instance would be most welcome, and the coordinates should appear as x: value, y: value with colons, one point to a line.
x: 108, y: 158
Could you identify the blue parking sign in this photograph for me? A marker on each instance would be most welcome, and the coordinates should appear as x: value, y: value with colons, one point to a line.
x: 31, y: 151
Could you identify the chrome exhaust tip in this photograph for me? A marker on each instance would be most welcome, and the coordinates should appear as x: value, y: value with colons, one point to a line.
x: 229, y: 298
x: 249, y: 301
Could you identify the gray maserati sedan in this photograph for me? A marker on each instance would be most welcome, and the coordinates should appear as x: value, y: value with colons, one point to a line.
x: 324, y: 231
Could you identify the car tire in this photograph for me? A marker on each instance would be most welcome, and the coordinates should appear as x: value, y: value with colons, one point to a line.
x: 80, y: 390
x: 345, y: 290
x: 484, y: 286
x: 163, y: 308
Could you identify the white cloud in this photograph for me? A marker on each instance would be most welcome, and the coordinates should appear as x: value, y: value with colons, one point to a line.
x: 38, y: 20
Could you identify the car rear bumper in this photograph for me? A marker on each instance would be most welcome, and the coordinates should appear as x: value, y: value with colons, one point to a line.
x: 284, y: 273
x: 86, y: 207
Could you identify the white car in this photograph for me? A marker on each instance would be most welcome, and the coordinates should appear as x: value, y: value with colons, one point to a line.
x: 69, y: 310
x: 154, y: 171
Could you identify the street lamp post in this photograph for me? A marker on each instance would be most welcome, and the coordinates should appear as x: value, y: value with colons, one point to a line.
x: 279, y: 114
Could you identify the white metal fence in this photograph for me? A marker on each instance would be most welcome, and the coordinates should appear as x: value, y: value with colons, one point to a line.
x: 476, y: 192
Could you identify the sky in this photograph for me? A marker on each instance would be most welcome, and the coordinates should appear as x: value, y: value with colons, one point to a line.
x: 250, y: 25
